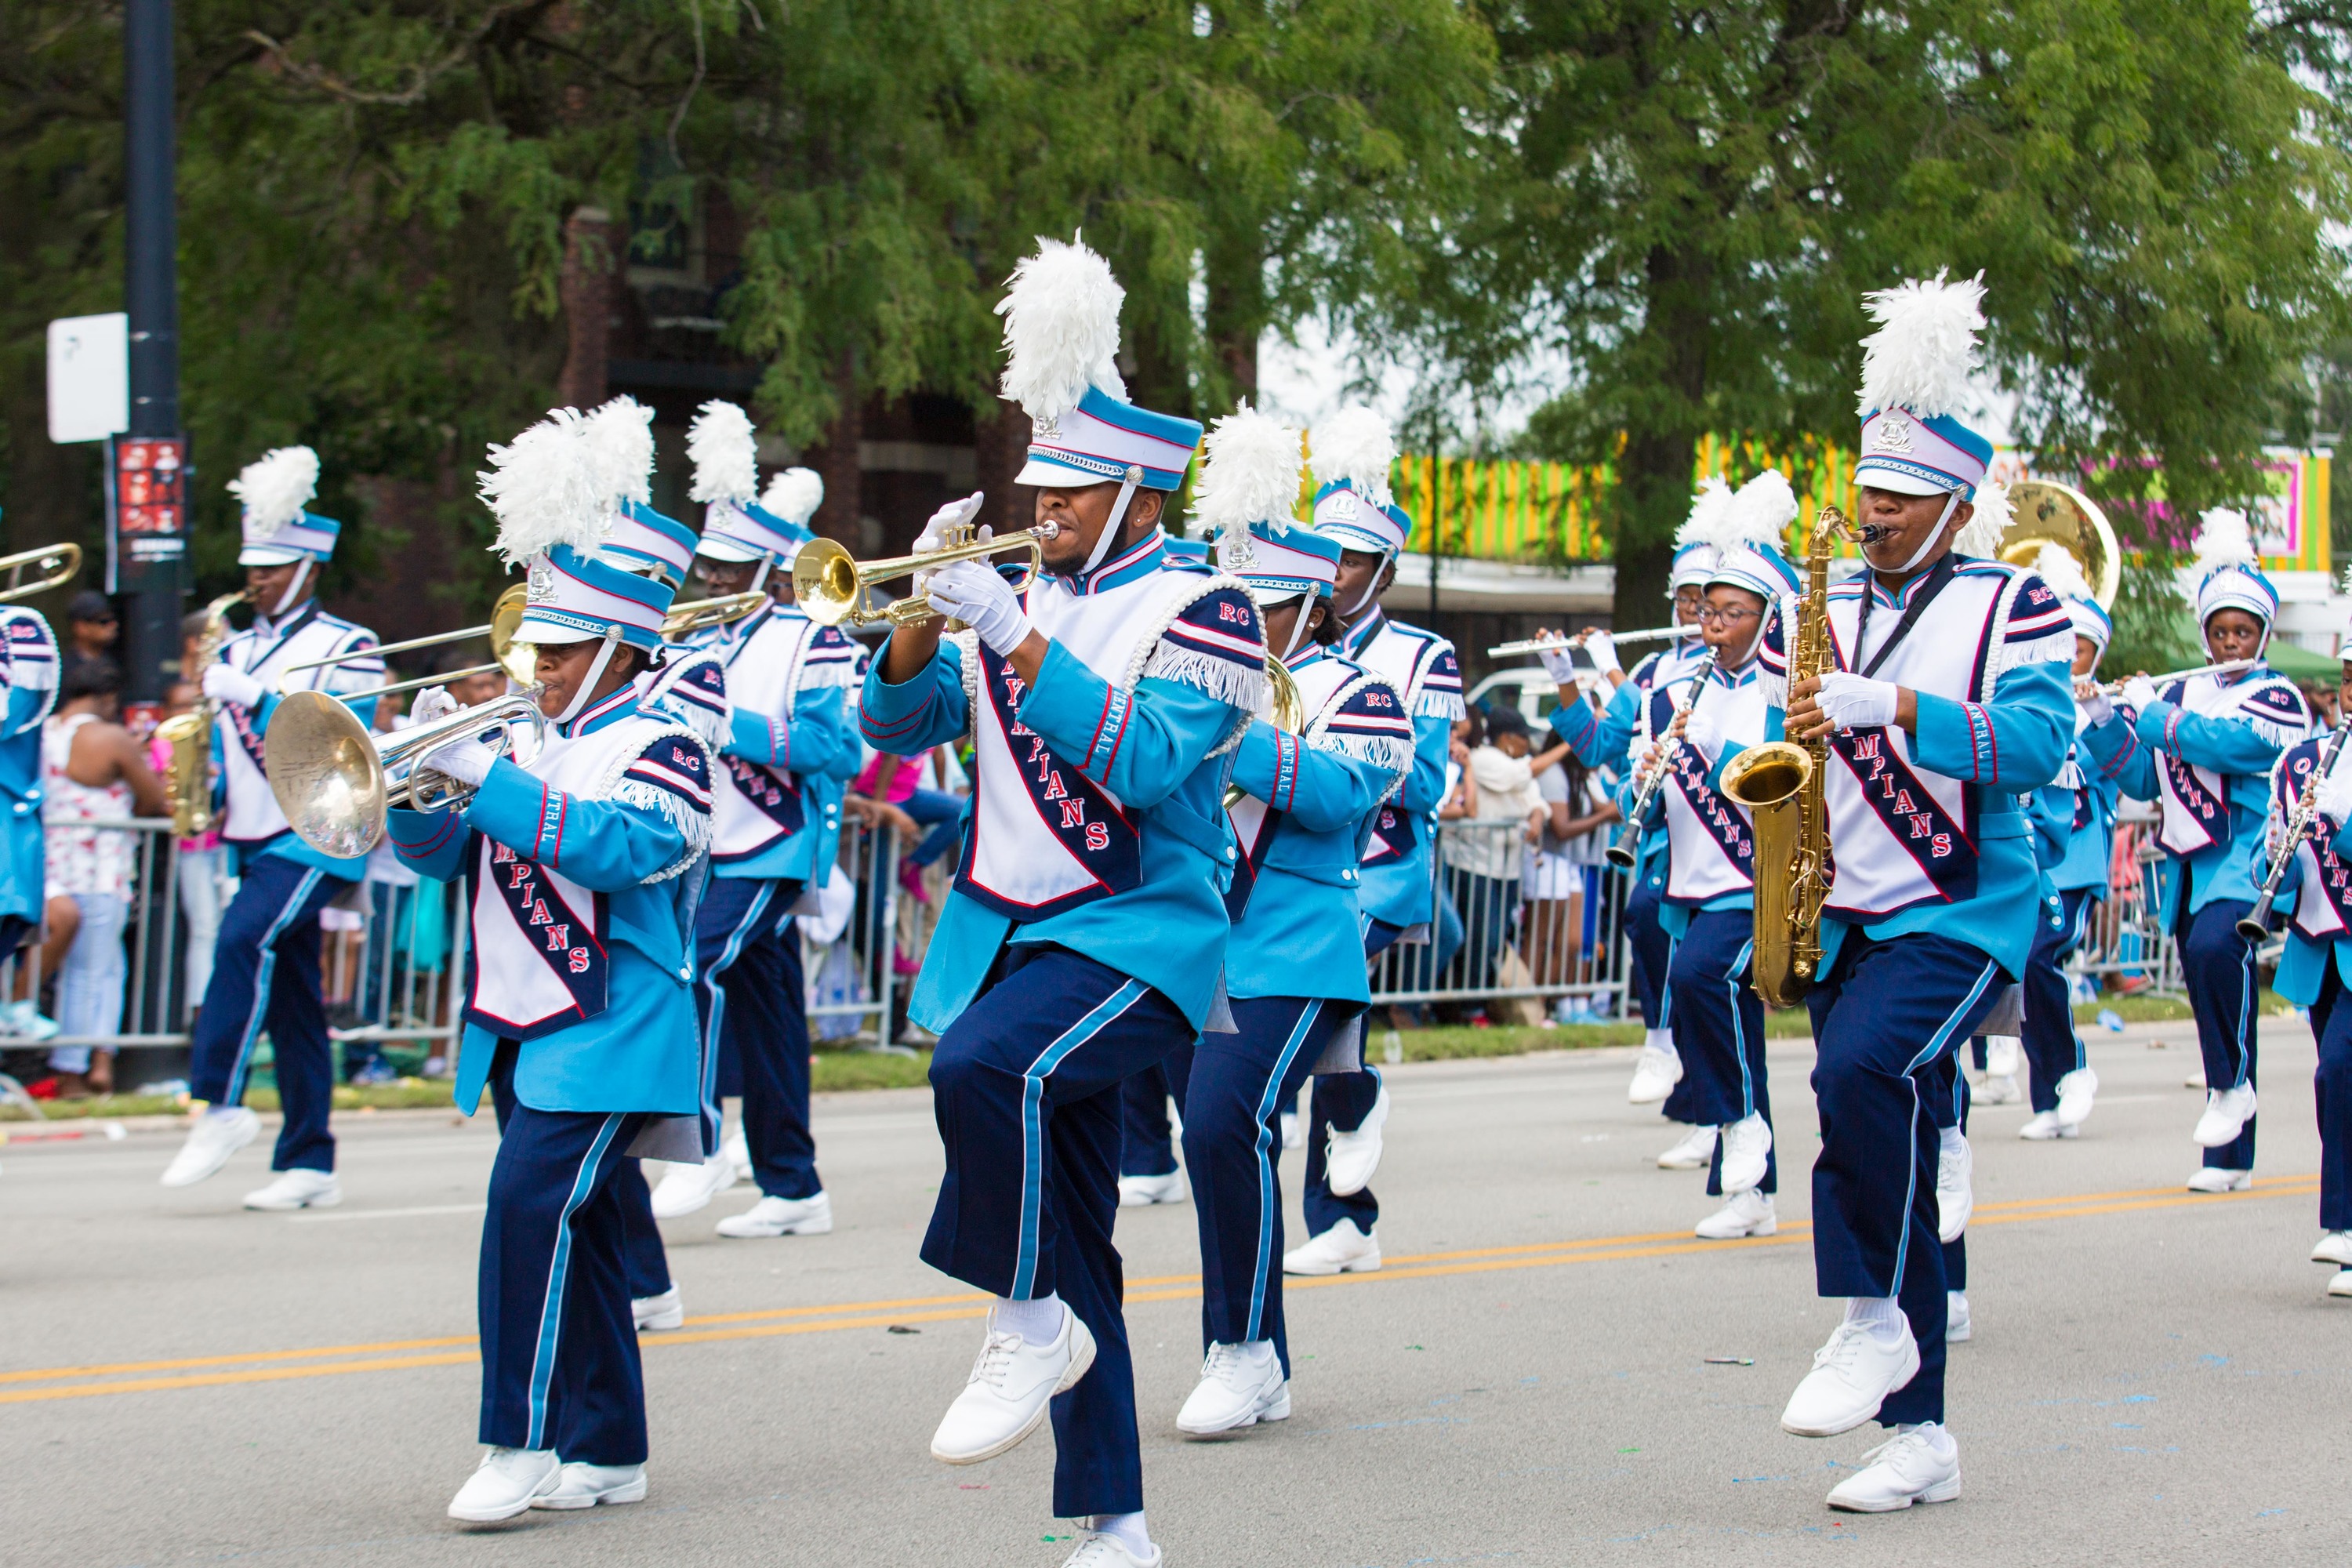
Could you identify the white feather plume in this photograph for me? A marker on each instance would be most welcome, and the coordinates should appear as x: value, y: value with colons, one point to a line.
x: 621, y: 449
x: 1920, y: 357
x: 2224, y: 538
x: 542, y: 489
x: 1709, y: 506
x: 1249, y: 473
x: 2057, y: 568
x: 275, y: 488
x: 1982, y: 538
x: 726, y: 454
x: 1760, y: 511
x: 1355, y: 445
x: 1061, y: 329
x: 794, y: 495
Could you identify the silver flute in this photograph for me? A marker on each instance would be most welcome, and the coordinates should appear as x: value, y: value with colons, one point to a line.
x: 1544, y: 645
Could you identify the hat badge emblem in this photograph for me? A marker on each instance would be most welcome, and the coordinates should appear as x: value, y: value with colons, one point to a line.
x: 1047, y: 429
x: 541, y: 581
x: 1893, y: 434
x: 1343, y: 507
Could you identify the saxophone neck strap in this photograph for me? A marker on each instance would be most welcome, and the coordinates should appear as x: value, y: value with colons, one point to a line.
x: 1940, y: 574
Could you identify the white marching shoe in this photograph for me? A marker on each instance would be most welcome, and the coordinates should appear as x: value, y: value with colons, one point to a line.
x: 2043, y: 1125
x: 1696, y: 1150
x: 811, y: 1215
x: 2334, y: 1248
x: 1748, y: 1213
x: 1240, y: 1386
x: 2227, y: 1111
x: 1956, y: 1197
x: 2342, y: 1284
x: 686, y: 1188
x: 218, y: 1134
x: 504, y: 1483
x: 1999, y: 1089
x: 1919, y: 1464
x: 2075, y: 1092
x: 1747, y: 1151
x: 1958, y: 1331
x: 585, y: 1486
x: 1142, y: 1192
x: 1852, y: 1377
x: 2214, y: 1179
x: 1342, y: 1249
x: 1101, y: 1549
x: 297, y: 1189
x: 655, y: 1314
x: 1292, y: 1137
x: 736, y: 1147
x: 1655, y: 1071
x: 2196, y: 1080
x: 1354, y: 1156
x: 1012, y: 1384
x: 2004, y: 1054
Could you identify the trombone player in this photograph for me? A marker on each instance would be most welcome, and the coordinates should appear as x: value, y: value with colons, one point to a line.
x: 266, y: 958
x: 1945, y: 697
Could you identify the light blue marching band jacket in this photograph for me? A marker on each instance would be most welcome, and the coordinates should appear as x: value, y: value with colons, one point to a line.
x: 2318, y: 882
x: 1096, y: 818
x: 1927, y: 833
x: 2090, y: 797
x: 29, y: 668
x: 582, y: 917
x: 251, y: 824
x: 2204, y: 752
x: 1400, y: 871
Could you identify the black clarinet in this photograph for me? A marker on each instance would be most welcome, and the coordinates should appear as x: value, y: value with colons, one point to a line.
x: 1625, y: 852
x: 2257, y: 924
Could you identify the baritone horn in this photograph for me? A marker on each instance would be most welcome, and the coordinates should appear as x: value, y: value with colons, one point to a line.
x: 2050, y: 513
x: 831, y: 585
x: 336, y: 781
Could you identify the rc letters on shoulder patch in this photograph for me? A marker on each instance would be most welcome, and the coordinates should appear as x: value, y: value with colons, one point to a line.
x: 1222, y: 623
x: 677, y: 763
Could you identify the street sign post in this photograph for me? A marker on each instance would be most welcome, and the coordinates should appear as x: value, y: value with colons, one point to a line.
x: 89, y: 377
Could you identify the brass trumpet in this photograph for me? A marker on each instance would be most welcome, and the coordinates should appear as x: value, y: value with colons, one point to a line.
x: 58, y: 564
x: 831, y: 586
x: 337, y: 782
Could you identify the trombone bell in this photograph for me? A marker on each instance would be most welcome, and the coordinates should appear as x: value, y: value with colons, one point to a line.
x: 57, y: 564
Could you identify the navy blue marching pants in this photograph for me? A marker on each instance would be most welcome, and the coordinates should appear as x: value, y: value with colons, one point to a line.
x: 1147, y: 1144
x: 2053, y: 1049
x: 1342, y: 1101
x: 2331, y: 1027
x: 2217, y: 964
x: 1887, y: 1022
x: 644, y: 1261
x: 1652, y: 949
x: 752, y: 1002
x: 560, y: 1361
x: 1233, y: 1146
x: 1718, y: 1027
x: 1026, y: 1087
x: 266, y: 976
x: 1951, y: 1111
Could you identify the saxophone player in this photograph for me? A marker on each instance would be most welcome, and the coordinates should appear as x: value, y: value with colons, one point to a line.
x: 1944, y: 697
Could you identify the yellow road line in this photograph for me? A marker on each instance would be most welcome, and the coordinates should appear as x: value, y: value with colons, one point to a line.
x: 272, y: 1366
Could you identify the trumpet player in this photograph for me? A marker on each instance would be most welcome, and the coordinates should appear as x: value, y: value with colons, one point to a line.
x: 579, y: 1017
x: 266, y: 957
x: 1350, y: 455
x: 1298, y: 990
x: 1084, y: 932
x: 2203, y: 748
x: 791, y: 746
x: 1607, y: 743
x: 2315, y: 775
x: 1707, y: 904
x: 1941, y: 696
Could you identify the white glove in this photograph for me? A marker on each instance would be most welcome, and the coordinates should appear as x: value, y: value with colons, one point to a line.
x: 971, y: 592
x: 1855, y: 701
x: 2336, y: 797
x: 1701, y: 733
x: 226, y: 683
x: 2097, y: 708
x: 433, y: 702
x: 468, y: 760
x: 2139, y: 692
x: 1559, y: 666
x: 953, y: 516
x: 1601, y: 648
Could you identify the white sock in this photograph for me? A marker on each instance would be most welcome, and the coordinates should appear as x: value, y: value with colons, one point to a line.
x: 1880, y: 1314
x: 1258, y: 1352
x: 1953, y: 1141
x: 1938, y: 1438
x: 1037, y: 1322
x: 1660, y: 1041
x: 1127, y: 1527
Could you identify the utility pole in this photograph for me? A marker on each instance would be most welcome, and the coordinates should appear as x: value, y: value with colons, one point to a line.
x: 152, y: 586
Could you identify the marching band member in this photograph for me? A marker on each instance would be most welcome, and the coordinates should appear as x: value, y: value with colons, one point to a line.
x: 2203, y: 748
x: 1084, y: 932
x: 1293, y: 966
x: 579, y: 1014
x: 29, y: 668
x: 791, y: 746
x: 2062, y: 1083
x: 1948, y: 699
x: 1609, y: 742
x: 1708, y: 907
x: 2318, y: 954
x: 266, y: 957
x: 1350, y: 455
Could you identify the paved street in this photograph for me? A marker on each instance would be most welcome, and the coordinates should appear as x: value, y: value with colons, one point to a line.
x: 2154, y: 1375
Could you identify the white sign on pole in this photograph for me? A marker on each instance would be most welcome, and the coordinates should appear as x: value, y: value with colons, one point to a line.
x: 89, y: 377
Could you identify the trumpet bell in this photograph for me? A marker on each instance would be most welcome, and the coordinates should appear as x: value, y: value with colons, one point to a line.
x: 326, y: 775
x: 518, y: 659
x: 2051, y: 513
x: 1767, y: 774
x: 825, y: 582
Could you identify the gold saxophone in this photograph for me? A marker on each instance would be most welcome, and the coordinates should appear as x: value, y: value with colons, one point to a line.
x: 1784, y: 784
x: 188, y: 779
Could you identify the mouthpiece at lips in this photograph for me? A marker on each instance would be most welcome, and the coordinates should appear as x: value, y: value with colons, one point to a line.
x: 1872, y: 532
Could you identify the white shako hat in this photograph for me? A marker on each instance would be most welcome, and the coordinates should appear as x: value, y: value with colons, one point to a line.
x: 1914, y: 379
x: 735, y: 525
x: 621, y: 448
x: 274, y: 491
x: 1751, y: 536
x: 2229, y: 572
x: 2058, y: 569
x: 553, y: 521
x: 1250, y: 469
x: 1695, y: 542
x: 1352, y: 454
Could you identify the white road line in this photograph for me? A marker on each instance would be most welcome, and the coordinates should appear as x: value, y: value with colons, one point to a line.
x: 321, y: 1217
